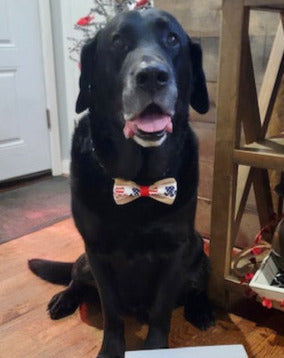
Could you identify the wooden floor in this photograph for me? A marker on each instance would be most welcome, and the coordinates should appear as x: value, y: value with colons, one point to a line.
x: 26, y: 330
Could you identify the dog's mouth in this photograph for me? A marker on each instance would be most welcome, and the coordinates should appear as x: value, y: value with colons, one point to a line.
x: 152, y: 124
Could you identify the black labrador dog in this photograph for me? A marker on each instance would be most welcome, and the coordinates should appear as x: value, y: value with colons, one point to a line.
x: 134, y: 178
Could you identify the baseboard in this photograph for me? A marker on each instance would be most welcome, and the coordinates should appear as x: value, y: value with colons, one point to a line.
x: 66, y: 166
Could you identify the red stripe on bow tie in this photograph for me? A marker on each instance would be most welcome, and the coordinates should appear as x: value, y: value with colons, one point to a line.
x: 144, y: 191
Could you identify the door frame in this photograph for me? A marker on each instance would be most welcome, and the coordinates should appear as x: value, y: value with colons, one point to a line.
x: 47, y: 50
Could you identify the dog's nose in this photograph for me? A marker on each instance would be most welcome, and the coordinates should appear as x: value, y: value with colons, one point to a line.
x: 152, y: 77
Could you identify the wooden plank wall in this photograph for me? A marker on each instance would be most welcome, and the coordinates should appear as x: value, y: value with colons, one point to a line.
x: 201, y: 19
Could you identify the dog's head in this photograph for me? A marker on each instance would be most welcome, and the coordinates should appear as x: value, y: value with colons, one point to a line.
x: 141, y: 69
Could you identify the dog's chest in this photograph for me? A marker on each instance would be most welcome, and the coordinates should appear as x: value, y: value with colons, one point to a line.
x: 136, y: 279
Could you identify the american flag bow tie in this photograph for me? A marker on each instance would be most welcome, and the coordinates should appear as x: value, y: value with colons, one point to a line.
x: 164, y: 190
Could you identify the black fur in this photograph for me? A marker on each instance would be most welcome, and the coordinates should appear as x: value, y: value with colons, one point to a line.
x: 145, y: 256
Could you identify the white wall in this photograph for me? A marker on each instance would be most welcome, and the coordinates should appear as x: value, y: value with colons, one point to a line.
x: 65, y: 14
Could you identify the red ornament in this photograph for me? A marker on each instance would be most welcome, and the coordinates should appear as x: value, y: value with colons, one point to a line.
x: 256, y: 251
x: 85, y: 20
x: 247, y: 278
x: 141, y: 3
x: 83, y: 309
x: 266, y: 303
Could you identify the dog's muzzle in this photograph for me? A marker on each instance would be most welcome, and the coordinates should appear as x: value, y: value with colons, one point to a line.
x: 149, y: 98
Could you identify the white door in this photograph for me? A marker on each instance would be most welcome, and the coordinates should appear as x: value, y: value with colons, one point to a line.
x: 24, y: 139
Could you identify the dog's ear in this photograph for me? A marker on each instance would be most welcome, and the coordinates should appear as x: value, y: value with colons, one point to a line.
x: 86, y: 82
x: 199, y: 99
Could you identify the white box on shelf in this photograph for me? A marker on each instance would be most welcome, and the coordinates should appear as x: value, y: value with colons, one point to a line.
x: 261, y: 282
x: 224, y: 351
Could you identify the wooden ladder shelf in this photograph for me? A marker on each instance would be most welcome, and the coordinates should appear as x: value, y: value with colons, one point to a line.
x: 238, y: 166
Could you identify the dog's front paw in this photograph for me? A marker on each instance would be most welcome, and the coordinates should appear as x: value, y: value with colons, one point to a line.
x: 198, y: 310
x: 113, y: 354
x: 113, y: 345
x: 156, y: 340
x: 62, y: 304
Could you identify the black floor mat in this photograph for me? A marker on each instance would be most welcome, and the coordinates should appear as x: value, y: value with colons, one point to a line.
x: 33, y: 207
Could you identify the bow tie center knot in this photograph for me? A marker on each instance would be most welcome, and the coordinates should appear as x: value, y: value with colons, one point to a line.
x: 144, y: 191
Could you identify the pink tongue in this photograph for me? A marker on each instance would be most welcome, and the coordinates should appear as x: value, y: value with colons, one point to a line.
x: 149, y: 124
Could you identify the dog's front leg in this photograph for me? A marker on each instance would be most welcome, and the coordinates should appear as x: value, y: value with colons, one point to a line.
x: 159, y: 327
x: 160, y: 314
x: 113, y: 345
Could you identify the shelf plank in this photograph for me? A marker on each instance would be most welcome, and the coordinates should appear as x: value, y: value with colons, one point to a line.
x: 232, y: 283
x: 269, y: 4
x: 267, y: 154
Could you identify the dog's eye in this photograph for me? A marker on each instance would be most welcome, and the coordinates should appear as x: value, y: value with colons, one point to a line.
x: 118, y: 42
x: 172, y: 39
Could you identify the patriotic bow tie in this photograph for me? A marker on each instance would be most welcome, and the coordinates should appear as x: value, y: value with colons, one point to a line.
x: 164, y: 190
